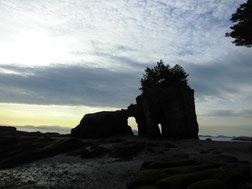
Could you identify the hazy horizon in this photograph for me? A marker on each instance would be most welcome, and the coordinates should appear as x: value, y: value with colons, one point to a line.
x: 132, y: 124
x: 63, y: 59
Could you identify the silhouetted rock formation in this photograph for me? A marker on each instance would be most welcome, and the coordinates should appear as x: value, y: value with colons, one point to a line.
x: 103, y: 124
x: 12, y: 131
x: 7, y: 130
x: 172, y: 107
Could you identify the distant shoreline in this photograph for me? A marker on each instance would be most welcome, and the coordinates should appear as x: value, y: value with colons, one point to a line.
x: 67, y: 130
x: 226, y: 138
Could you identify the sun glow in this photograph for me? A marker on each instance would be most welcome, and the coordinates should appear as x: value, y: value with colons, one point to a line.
x: 27, y: 114
x: 33, y: 48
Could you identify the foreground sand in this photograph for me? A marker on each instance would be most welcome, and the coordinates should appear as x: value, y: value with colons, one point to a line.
x: 67, y: 171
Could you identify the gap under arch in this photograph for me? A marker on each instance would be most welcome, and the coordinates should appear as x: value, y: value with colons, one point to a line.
x: 160, y: 128
x: 133, y: 124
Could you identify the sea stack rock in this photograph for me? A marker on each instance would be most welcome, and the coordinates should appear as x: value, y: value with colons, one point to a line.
x: 103, y: 124
x: 170, y: 106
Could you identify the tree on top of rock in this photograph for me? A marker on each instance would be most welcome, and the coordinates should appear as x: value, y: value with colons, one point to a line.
x: 163, y: 75
x: 242, y: 30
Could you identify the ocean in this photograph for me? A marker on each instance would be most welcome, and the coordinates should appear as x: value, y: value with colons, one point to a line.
x: 217, y: 138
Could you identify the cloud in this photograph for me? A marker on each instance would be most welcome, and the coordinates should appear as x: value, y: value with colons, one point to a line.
x: 225, y: 77
x: 247, y: 113
x: 69, y: 85
x: 107, y: 46
x: 172, y: 30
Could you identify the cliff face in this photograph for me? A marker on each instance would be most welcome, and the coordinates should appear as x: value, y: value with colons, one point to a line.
x: 103, y: 124
x: 172, y: 107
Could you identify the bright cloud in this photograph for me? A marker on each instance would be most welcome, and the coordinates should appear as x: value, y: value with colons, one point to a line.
x: 81, y: 32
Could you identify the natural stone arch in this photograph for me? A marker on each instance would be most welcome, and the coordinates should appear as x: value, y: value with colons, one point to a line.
x: 103, y: 124
x: 172, y: 107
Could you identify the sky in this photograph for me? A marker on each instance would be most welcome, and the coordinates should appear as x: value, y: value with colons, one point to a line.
x: 62, y: 59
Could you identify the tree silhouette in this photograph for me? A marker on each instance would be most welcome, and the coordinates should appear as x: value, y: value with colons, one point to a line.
x: 242, y: 30
x: 163, y: 75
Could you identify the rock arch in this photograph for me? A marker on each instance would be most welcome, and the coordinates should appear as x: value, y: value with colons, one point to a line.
x: 103, y: 124
x: 173, y: 107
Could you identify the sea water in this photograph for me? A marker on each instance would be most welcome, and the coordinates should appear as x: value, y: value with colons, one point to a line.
x: 217, y: 138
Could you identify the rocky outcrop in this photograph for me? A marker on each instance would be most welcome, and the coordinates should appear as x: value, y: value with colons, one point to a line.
x: 103, y: 124
x: 6, y: 131
x: 172, y: 107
